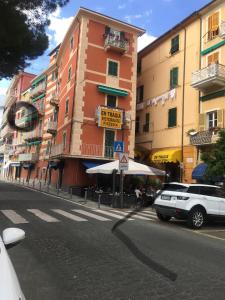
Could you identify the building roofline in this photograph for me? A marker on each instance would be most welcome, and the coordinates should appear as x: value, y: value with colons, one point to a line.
x: 192, y: 17
x: 53, y: 50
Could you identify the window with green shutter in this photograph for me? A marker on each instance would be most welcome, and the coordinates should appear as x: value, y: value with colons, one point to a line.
x: 140, y: 94
x: 111, y: 101
x: 113, y: 68
x: 172, y: 117
x: 174, y: 45
x: 109, y: 143
x: 173, y: 78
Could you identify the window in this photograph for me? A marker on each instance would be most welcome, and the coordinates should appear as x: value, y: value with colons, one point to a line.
x: 213, y: 26
x: 64, y: 140
x: 193, y: 190
x: 146, y: 125
x: 220, y: 193
x: 69, y: 73
x: 174, y: 45
x: 137, y: 125
x: 212, y: 119
x: 54, y: 76
x: 173, y: 78
x: 111, y: 101
x: 48, y: 147
x: 174, y: 187
x: 139, y: 67
x: 172, y: 117
x: 109, y: 143
x: 67, y: 107
x: 40, y: 127
x: 71, y: 43
x: 208, y: 191
x: 213, y: 58
x: 112, y: 68
x: 140, y: 94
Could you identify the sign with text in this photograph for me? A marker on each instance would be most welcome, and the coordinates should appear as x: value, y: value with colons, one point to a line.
x: 110, y: 117
x: 123, y: 162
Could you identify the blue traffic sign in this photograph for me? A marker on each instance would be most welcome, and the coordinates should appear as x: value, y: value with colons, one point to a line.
x: 118, y: 146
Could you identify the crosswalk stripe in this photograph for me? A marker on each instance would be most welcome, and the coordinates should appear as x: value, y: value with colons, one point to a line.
x: 43, y: 216
x: 68, y: 215
x: 110, y: 214
x: 88, y: 214
x: 136, y: 216
x: 14, y: 217
x: 147, y: 215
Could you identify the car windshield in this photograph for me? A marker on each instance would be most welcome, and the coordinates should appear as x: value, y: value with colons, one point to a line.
x: 174, y: 187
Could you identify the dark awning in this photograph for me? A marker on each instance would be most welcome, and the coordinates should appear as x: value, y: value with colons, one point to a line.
x: 15, y: 164
x: 199, y: 171
x: 28, y: 165
x: 56, y: 164
x: 91, y: 164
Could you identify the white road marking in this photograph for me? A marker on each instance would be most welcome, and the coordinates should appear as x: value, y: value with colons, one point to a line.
x: 136, y: 216
x: 68, y: 215
x: 14, y: 217
x: 88, y: 214
x: 43, y: 216
x: 110, y: 214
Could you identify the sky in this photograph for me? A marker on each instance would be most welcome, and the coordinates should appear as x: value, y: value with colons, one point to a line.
x: 155, y: 16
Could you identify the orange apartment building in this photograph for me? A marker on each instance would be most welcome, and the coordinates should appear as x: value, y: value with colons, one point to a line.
x: 89, y: 98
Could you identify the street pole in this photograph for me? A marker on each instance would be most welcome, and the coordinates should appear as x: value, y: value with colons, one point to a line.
x: 121, y: 188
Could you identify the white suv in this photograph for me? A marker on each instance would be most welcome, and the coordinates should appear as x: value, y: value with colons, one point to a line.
x: 195, y: 202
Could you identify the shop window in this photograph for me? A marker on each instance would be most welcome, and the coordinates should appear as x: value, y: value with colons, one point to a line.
x: 67, y: 107
x: 213, y: 26
x: 140, y: 94
x: 137, y: 125
x: 174, y: 45
x: 109, y: 143
x: 146, y: 125
x: 213, y: 58
x: 64, y: 140
x: 173, y: 78
x: 69, y: 73
x: 212, y: 119
x: 111, y: 101
x: 112, y: 68
x: 172, y: 117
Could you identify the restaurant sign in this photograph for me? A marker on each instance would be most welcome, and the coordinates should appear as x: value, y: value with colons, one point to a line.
x: 109, y: 117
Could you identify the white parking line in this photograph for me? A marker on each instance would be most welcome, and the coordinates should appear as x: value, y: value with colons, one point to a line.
x: 43, y: 216
x: 110, y: 214
x: 88, y: 214
x: 68, y: 215
x: 14, y: 217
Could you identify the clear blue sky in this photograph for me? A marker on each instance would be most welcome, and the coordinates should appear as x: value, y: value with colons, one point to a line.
x: 155, y: 16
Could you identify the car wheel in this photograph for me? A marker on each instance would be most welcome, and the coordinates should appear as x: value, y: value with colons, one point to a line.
x: 163, y: 218
x: 196, y: 218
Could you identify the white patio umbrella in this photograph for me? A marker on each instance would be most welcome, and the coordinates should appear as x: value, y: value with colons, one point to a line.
x: 134, y: 168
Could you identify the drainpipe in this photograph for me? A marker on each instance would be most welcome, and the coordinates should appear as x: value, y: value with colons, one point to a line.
x: 182, y: 120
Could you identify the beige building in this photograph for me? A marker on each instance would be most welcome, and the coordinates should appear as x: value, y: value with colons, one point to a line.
x: 178, y: 95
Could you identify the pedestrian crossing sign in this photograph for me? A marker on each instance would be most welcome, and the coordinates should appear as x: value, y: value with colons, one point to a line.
x: 118, y: 146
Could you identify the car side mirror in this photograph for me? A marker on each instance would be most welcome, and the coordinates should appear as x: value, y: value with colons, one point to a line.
x: 12, y: 236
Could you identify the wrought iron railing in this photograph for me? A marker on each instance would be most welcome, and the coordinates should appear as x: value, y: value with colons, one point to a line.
x: 121, y: 44
x: 209, y: 72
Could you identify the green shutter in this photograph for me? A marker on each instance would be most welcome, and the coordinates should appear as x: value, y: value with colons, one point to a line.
x: 109, y: 143
x: 113, y: 68
x: 172, y: 117
x: 174, y: 44
x: 173, y: 78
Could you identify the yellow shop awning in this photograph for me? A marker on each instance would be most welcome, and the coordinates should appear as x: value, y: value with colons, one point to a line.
x: 164, y: 156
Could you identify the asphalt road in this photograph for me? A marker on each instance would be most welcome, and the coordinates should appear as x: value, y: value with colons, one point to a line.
x: 74, y: 255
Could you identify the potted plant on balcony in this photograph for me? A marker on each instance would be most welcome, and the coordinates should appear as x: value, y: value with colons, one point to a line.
x: 191, y: 132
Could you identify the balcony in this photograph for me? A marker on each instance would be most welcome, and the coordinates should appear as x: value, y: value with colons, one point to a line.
x: 209, y: 78
x: 202, y: 138
x: 97, y: 151
x: 6, y: 131
x: 113, y: 43
x: 56, y: 150
x: 52, y: 127
x: 31, y: 157
x: 54, y: 100
x: 222, y: 30
x: 6, y: 148
x: 34, y: 135
x: 38, y: 90
x: 40, y: 107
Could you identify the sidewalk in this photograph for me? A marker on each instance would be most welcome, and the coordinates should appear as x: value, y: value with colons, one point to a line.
x: 41, y: 186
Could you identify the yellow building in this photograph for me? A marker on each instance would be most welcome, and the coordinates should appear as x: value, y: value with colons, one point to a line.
x: 177, y: 96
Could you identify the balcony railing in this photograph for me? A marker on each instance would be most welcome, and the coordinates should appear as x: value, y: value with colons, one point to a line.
x: 97, y: 150
x: 40, y: 107
x: 209, y: 78
x: 54, y: 100
x: 6, y: 148
x: 32, y: 157
x: 38, y: 90
x: 56, y: 150
x: 205, y: 137
x: 33, y: 135
x: 6, y: 131
x: 52, y: 127
x: 115, y: 44
x: 222, y: 30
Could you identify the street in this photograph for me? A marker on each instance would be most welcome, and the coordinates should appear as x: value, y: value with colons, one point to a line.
x: 74, y: 252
